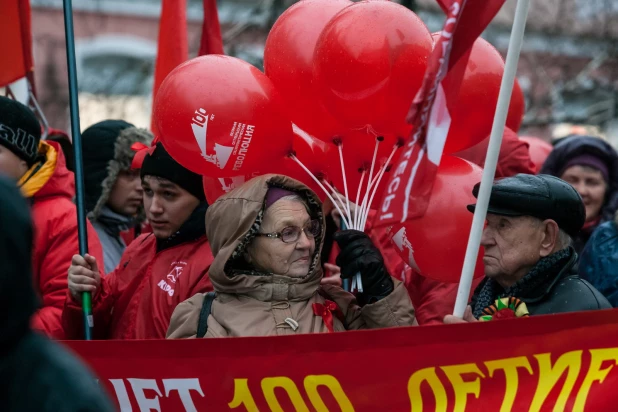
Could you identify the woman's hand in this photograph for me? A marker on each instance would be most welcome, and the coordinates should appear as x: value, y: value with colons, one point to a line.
x: 83, y: 276
x: 359, y: 255
x: 334, y: 278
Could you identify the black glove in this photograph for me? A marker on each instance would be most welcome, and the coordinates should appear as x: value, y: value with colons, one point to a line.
x: 359, y: 255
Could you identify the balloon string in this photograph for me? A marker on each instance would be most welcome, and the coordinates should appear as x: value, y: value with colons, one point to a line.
x: 345, y: 181
x: 366, y: 197
x: 375, y: 188
x: 321, y: 187
x: 333, y: 190
x: 361, y: 227
x: 357, y: 214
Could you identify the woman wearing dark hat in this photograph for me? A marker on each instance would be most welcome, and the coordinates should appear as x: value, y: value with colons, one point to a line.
x: 590, y: 165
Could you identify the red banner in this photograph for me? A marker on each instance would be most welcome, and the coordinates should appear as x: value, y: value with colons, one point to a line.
x: 409, y: 187
x: 15, y: 41
x: 211, y: 42
x: 172, y: 47
x: 561, y: 362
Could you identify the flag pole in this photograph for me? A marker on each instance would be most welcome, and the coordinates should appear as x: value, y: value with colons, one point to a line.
x: 491, y: 161
x: 79, y: 165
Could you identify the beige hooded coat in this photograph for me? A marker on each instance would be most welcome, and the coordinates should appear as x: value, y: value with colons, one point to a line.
x: 249, y: 303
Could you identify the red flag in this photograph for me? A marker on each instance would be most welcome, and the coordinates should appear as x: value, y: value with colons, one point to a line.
x: 211, y: 43
x: 15, y: 41
x: 409, y: 187
x: 173, y: 47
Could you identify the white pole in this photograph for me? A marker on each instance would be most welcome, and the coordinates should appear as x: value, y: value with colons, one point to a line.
x: 495, y: 140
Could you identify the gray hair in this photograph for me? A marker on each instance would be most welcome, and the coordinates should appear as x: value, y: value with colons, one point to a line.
x: 564, y: 239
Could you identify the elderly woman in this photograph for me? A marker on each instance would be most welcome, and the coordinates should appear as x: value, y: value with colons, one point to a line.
x: 590, y: 165
x: 266, y: 237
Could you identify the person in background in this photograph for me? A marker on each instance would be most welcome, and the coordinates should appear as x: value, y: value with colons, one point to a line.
x: 39, y: 169
x: 158, y: 270
x: 113, y: 189
x: 599, y: 260
x: 514, y: 156
x: 590, y: 165
x: 267, y: 237
x: 528, y: 257
x: 35, y: 373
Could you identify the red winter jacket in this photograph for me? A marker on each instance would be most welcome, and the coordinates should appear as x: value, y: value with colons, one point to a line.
x: 136, y: 300
x: 514, y: 156
x: 51, y: 189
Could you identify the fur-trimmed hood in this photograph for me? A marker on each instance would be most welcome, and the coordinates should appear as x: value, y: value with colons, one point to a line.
x: 105, y: 156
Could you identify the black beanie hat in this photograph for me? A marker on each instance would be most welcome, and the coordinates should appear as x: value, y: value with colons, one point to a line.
x: 161, y: 164
x: 20, y: 130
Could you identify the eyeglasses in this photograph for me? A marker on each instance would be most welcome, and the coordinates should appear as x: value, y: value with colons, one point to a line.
x: 291, y: 234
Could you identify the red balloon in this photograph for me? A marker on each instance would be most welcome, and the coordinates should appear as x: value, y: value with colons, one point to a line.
x: 288, y: 62
x: 311, y: 152
x: 472, y: 106
x: 435, y: 244
x: 517, y: 108
x: 369, y: 63
x: 220, y: 116
x: 539, y: 150
x: 215, y: 187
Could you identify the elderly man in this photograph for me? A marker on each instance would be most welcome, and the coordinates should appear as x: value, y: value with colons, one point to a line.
x: 528, y: 252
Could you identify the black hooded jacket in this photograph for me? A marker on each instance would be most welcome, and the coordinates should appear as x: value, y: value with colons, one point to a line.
x: 573, y: 146
x: 35, y: 373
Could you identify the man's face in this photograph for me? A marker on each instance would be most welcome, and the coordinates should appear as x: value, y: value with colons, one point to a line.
x: 167, y: 205
x: 512, y: 247
x: 126, y: 196
x: 11, y: 165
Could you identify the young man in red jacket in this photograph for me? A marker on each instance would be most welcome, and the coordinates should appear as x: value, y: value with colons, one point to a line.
x: 158, y: 270
x: 40, y: 171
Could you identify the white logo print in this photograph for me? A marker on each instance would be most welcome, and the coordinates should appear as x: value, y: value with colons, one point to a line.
x: 172, y: 278
x: 230, y: 183
x: 199, y: 124
x: 401, y: 241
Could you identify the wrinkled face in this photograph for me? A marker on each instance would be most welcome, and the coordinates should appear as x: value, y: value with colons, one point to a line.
x: 274, y: 256
x: 127, y: 194
x: 512, y: 247
x: 167, y: 205
x: 11, y: 165
x: 590, y: 185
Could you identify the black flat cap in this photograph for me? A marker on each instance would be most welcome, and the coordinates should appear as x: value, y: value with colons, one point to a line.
x: 540, y: 196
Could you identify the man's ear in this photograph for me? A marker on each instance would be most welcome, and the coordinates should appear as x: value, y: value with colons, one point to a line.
x: 550, y: 237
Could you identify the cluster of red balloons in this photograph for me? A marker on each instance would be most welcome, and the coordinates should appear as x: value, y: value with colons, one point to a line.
x: 339, y: 80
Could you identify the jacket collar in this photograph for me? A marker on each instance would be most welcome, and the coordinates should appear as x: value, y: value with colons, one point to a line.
x: 533, y: 287
x: 192, y: 229
x: 113, y: 222
x: 539, y: 293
